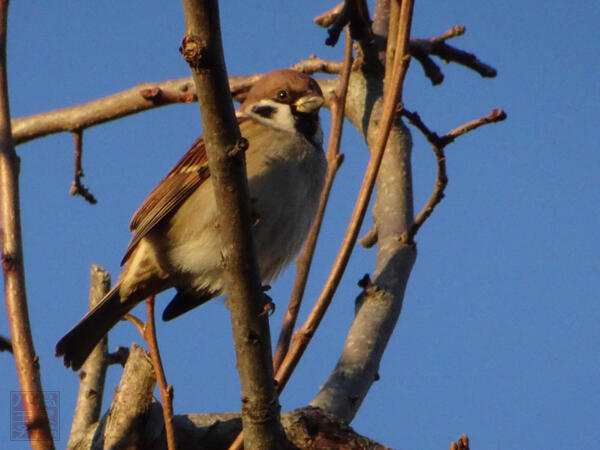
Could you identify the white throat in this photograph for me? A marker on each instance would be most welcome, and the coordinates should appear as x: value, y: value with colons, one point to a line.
x: 280, y: 115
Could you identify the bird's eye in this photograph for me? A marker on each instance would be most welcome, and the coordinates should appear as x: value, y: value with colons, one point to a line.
x: 282, y: 95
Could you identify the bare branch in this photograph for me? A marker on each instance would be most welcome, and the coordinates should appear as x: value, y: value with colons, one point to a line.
x: 93, y: 372
x: 315, y: 64
x: 497, y: 115
x: 166, y: 391
x: 393, y: 95
x: 28, y: 369
x: 5, y: 345
x: 378, y: 309
x: 369, y: 239
x: 461, y: 444
x: 354, y: 13
x: 77, y: 187
x: 202, y: 49
x: 439, y: 144
x: 138, y: 99
x: 334, y: 161
x: 328, y: 17
x: 98, y: 111
x: 123, y: 426
x: 136, y: 322
x: 119, y: 356
x: 423, y: 49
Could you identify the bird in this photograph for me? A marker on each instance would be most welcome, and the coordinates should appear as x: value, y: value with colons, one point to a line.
x: 175, y: 232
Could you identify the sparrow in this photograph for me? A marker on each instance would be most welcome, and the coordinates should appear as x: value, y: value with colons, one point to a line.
x: 176, y: 242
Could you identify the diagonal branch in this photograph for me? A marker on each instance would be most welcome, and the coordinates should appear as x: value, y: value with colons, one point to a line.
x: 378, y: 307
x: 202, y: 49
x: 439, y: 144
x: 166, y: 391
x: 423, y: 49
x: 334, y: 161
x: 393, y: 94
x: 5, y: 345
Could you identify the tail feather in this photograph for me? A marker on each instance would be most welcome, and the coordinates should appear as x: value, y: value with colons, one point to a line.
x: 78, y: 343
x: 184, y: 302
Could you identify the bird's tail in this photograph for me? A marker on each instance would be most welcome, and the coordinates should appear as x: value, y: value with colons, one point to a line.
x: 78, y: 343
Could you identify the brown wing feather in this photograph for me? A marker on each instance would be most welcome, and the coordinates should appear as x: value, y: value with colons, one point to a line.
x: 183, y: 179
x: 189, y: 173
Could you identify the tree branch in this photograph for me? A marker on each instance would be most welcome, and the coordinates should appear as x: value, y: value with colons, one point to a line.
x: 5, y: 345
x: 354, y: 13
x: 461, y: 444
x: 138, y: 99
x: 27, y: 362
x: 377, y: 313
x: 422, y: 49
x: 202, y: 49
x: 77, y: 187
x: 166, y: 391
x: 439, y: 144
x: 123, y: 424
x: 394, y: 94
x: 93, y: 372
x: 334, y: 161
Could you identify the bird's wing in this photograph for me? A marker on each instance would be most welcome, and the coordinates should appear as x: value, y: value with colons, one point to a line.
x: 183, y: 179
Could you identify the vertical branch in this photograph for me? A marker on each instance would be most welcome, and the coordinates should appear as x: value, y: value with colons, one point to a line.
x: 28, y: 370
x: 378, y: 308
x: 123, y: 427
x: 93, y: 371
x: 166, y: 391
x: 77, y: 187
x: 334, y: 161
x: 202, y: 48
x: 391, y: 97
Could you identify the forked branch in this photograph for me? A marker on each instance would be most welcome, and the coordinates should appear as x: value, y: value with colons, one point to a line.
x: 438, y: 144
x: 334, y: 160
x: 391, y: 96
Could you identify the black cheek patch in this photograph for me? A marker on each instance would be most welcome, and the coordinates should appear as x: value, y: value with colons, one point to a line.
x: 264, y: 110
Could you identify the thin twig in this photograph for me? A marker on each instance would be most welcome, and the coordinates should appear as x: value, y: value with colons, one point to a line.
x: 334, y: 161
x: 77, y: 187
x: 166, y: 391
x: 423, y: 49
x: 5, y: 345
x: 369, y: 239
x: 393, y: 94
x: 497, y: 115
x: 439, y: 144
x: 26, y: 361
x: 140, y: 325
x: 462, y: 443
x: 355, y: 14
x: 315, y: 64
x: 328, y: 17
x: 119, y: 356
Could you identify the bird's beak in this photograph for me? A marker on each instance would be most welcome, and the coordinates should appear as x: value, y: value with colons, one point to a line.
x: 309, y: 103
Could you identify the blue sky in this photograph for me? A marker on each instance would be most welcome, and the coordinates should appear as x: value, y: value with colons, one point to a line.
x: 499, y: 333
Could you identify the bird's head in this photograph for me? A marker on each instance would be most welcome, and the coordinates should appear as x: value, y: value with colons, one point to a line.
x: 286, y: 100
